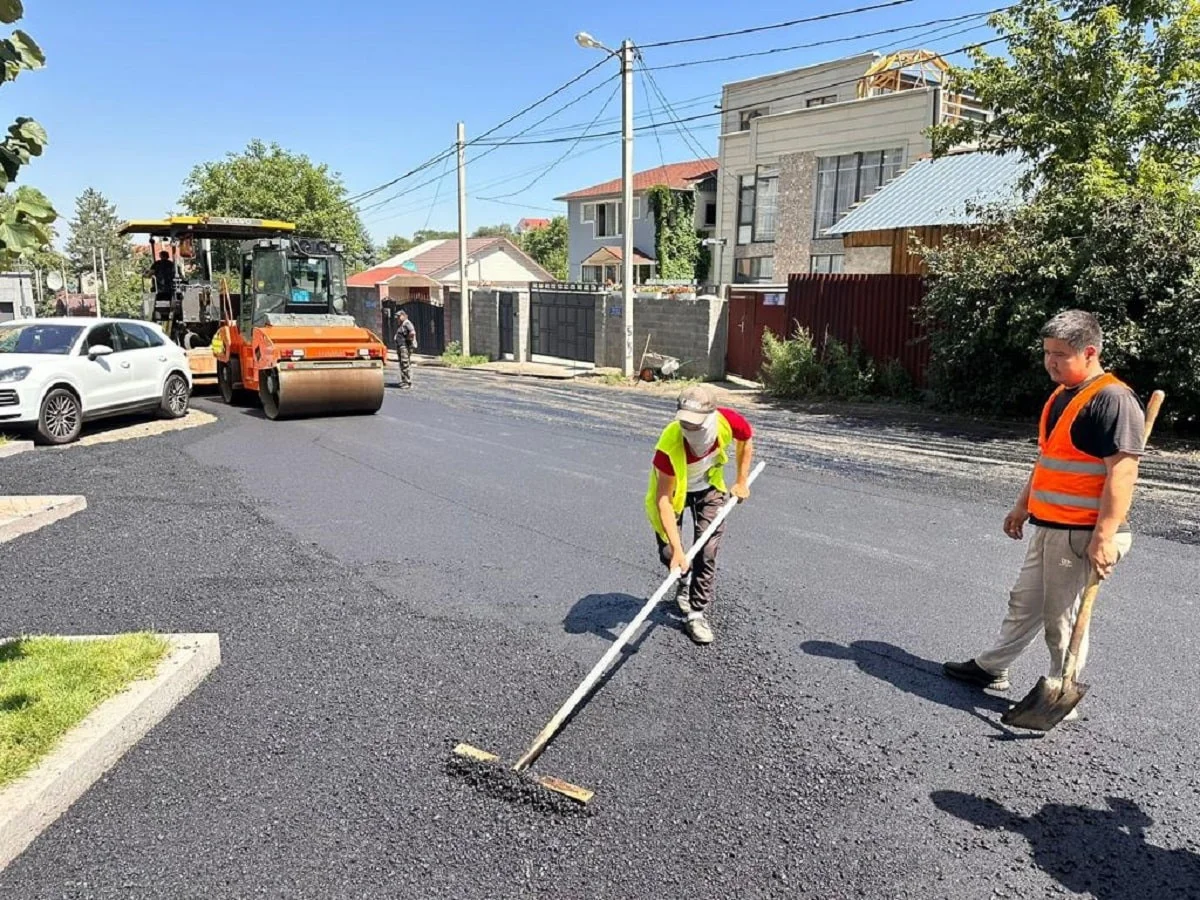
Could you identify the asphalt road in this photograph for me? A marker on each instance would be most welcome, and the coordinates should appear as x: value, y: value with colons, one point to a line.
x: 449, y: 569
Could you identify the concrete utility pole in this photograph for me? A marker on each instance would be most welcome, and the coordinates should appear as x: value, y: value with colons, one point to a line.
x: 95, y: 282
x: 103, y: 272
x: 464, y: 288
x: 627, y: 198
x: 585, y: 40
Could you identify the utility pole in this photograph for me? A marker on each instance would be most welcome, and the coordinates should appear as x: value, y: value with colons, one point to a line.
x: 103, y: 272
x: 627, y: 197
x: 464, y: 288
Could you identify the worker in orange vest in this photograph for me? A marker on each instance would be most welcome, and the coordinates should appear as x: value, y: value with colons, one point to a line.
x: 1090, y: 440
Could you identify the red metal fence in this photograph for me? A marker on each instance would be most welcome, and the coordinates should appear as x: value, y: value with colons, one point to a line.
x: 879, y: 311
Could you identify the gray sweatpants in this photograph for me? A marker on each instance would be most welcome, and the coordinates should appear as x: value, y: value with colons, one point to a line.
x: 1047, y: 595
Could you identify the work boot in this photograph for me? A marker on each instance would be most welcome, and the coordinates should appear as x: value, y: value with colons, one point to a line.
x: 683, y: 596
x: 971, y: 673
x: 698, y: 628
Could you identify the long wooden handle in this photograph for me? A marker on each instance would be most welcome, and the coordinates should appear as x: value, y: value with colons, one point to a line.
x: 543, y: 738
x: 1084, y: 617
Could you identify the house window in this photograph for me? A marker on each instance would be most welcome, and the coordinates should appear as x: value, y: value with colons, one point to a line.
x: 605, y: 218
x: 758, y: 269
x: 826, y: 263
x: 710, y: 214
x: 746, y: 116
x: 821, y: 101
x: 766, y: 195
x: 850, y: 178
x: 757, y: 206
x: 592, y: 274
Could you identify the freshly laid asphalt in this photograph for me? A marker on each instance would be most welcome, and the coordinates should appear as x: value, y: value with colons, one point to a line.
x: 449, y: 569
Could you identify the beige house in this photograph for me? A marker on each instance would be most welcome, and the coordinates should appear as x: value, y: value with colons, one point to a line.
x: 799, y: 149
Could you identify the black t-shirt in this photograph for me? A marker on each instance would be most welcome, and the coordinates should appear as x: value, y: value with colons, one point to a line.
x: 1112, y: 422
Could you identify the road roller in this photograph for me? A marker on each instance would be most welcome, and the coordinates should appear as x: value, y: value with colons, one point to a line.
x: 288, y: 339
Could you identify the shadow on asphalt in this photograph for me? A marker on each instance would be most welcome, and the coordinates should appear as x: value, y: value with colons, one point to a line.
x: 914, y: 675
x: 606, y: 615
x: 1099, y: 852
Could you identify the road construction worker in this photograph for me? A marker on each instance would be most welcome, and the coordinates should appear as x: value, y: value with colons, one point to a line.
x: 406, y: 343
x: 164, y: 286
x: 688, y: 473
x: 1090, y: 441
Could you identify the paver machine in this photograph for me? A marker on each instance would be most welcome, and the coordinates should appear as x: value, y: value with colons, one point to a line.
x: 285, y: 335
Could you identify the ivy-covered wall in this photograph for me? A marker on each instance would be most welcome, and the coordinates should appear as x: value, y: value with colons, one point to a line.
x: 675, y: 245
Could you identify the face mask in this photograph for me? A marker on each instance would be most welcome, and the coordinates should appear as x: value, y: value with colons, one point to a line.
x: 703, y: 437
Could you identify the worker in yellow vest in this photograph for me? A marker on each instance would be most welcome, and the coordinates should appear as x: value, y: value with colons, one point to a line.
x: 1077, y: 497
x: 688, y: 473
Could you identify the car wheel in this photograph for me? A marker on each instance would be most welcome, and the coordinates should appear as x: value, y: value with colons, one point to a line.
x: 176, y: 395
x: 61, y: 418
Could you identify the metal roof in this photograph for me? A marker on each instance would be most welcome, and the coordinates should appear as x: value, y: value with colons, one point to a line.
x: 937, y: 192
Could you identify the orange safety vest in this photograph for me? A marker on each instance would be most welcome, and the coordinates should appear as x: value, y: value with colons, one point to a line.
x: 1068, y: 483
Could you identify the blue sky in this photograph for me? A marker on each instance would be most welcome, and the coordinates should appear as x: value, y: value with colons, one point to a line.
x: 134, y: 95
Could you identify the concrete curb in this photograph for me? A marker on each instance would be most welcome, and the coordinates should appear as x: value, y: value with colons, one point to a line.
x: 20, y: 514
x: 33, y: 802
x: 12, y: 448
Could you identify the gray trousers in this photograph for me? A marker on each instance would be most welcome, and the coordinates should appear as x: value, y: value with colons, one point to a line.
x: 404, y: 355
x: 1046, y: 596
x: 704, y: 506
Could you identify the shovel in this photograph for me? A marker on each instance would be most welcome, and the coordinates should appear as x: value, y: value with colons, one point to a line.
x: 1052, y: 699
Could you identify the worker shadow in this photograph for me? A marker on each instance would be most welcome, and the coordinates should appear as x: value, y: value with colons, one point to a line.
x: 1102, y: 853
x: 917, y: 676
x: 606, y: 615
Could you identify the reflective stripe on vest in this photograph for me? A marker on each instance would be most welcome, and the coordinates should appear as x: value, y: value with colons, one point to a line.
x: 671, y: 442
x: 1067, y: 483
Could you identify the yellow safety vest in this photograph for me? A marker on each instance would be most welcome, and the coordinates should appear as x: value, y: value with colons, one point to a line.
x: 671, y: 442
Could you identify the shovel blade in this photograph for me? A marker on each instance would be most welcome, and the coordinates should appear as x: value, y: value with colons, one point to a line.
x: 1046, y: 705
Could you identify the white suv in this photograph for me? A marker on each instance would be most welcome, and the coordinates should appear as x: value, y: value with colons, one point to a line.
x: 55, y: 374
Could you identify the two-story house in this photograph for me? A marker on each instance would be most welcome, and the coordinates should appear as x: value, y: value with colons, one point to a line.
x: 594, y: 216
x: 798, y: 149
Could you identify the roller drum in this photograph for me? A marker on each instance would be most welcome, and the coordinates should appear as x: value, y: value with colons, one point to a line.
x: 314, y: 391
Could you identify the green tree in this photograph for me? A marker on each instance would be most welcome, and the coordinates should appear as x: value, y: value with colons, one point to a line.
x: 432, y: 234
x: 502, y: 230
x: 396, y: 245
x: 1099, y: 98
x: 25, y: 223
x: 266, y: 181
x: 548, y: 246
x: 94, y: 228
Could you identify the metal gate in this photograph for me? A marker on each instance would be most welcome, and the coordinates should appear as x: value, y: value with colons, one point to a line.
x: 562, y: 320
x: 426, y: 318
x: 507, y: 322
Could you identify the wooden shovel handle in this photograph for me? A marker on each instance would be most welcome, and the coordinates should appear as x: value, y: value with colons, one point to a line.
x: 1084, y: 617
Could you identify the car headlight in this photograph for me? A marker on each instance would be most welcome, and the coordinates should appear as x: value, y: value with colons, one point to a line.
x: 16, y: 374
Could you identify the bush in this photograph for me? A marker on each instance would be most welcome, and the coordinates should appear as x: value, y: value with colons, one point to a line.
x: 794, y: 369
x: 1133, y: 261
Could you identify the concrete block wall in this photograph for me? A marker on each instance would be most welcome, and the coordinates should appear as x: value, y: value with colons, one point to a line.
x: 693, y: 331
x: 485, y: 324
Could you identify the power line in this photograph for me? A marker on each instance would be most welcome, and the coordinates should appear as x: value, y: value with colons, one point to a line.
x: 492, y: 146
x: 759, y: 28
x: 358, y: 198
x: 690, y: 140
x: 806, y: 92
x: 445, y: 169
x: 826, y: 42
x: 662, y: 157
x: 570, y: 149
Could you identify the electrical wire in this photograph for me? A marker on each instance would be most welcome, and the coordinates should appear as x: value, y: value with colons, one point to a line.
x: 827, y: 42
x: 760, y: 28
x: 690, y: 140
x: 570, y: 150
x: 436, y: 193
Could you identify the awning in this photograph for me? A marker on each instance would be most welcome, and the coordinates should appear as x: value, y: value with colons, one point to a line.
x: 607, y: 256
x: 411, y: 279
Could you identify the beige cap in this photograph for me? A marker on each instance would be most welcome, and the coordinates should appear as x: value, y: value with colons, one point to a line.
x: 695, y: 404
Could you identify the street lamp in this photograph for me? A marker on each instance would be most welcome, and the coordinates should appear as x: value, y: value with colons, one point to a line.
x: 585, y: 40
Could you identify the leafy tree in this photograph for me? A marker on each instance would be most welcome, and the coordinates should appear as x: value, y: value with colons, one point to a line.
x: 95, y: 228
x: 396, y: 245
x: 1104, y: 102
x: 1097, y: 97
x: 548, y: 246
x: 25, y: 223
x: 432, y: 234
x: 502, y: 230
x: 266, y: 181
